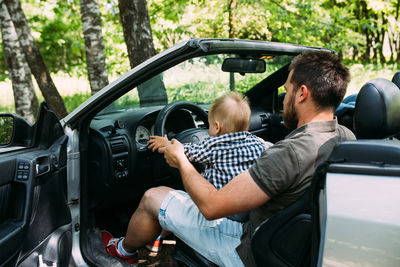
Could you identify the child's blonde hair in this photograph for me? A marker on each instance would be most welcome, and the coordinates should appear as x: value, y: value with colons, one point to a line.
x: 232, y: 111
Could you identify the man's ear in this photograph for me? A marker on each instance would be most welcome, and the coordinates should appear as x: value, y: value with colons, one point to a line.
x: 303, y: 93
x: 218, y: 128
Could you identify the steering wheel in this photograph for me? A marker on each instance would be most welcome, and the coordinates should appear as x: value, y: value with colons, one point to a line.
x: 194, y: 135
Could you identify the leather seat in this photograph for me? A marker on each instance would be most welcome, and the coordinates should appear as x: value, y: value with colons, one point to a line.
x: 186, y: 256
x: 396, y: 79
x: 285, y: 238
x: 377, y: 111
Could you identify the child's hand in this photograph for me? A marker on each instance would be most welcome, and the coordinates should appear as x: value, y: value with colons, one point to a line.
x: 157, y: 142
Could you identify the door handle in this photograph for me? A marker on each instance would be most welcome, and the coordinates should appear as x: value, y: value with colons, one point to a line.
x: 42, y: 165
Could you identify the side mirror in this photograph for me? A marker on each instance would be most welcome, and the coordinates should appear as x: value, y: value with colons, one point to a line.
x: 15, y: 131
x: 244, y: 65
x: 6, y: 129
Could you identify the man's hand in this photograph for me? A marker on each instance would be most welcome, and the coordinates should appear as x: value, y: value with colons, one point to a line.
x: 157, y: 142
x: 174, y: 153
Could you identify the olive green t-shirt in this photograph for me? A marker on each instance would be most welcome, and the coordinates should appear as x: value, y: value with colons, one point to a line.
x: 284, y: 171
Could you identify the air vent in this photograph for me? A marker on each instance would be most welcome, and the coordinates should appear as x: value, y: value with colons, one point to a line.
x: 265, y: 119
x: 118, y: 144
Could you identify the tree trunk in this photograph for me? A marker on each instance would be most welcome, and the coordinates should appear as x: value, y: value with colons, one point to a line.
x: 26, y: 103
x: 137, y: 30
x: 397, y: 48
x: 231, y: 17
x: 231, y: 24
x: 139, y: 41
x: 366, y: 57
x: 382, y: 39
x: 397, y: 38
x: 94, y: 45
x: 391, y: 43
x: 35, y: 59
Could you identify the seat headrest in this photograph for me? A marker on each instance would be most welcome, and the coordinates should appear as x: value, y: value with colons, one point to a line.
x: 396, y: 79
x: 377, y: 111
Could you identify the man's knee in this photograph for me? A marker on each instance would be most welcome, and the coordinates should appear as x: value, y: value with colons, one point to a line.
x: 153, y: 198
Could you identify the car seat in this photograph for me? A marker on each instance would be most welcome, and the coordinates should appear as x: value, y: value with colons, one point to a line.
x: 345, y: 111
x: 396, y: 79
x: 376, y: 121
x: 377, y: 111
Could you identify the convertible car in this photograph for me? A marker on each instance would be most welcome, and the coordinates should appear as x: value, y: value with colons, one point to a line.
x: 63, y: 180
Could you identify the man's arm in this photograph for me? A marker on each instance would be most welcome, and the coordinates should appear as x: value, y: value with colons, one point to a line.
x: 240, y: 194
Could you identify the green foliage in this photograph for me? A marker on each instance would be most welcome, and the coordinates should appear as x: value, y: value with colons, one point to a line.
x: 3, y: 65
x: 354, y: 28
x: 4, y: 108
x: 360, y: 30
x: 72, y: 102
x: 57, y: 29
x: 199, y: 92
x: 131, y: 99
x: 114, y: 43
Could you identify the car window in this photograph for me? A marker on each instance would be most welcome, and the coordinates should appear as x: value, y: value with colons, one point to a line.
x: 198, y: 80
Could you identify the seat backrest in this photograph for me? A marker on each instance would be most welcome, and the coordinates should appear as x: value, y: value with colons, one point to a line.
x: 396, y: 79
x: 376, y: 113
x: 345, y: 112
x: 285, y: 238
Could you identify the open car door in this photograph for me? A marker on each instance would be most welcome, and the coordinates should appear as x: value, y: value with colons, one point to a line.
x: 35, y: 222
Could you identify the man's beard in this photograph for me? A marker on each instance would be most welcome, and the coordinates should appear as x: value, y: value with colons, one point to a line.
x: 290, y: 118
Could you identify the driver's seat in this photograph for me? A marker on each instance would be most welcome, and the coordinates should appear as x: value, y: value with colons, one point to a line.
x: 186, y: 256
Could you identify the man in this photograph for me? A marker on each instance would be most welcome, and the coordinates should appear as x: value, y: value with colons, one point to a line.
x: 315, y: 86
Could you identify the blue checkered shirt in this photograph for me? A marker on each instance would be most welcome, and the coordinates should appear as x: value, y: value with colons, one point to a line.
x: 225, y: 155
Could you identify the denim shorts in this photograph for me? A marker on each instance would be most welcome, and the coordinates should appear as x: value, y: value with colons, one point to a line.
x: 216, y: 240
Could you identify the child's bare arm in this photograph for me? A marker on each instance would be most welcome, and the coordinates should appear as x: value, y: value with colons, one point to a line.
x: 157, y: 142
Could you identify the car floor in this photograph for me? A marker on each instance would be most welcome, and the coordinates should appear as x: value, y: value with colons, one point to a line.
x: 164, y: 258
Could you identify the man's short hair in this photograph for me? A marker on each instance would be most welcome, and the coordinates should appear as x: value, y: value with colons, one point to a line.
x: 324, y: 74
x: 232, y: 111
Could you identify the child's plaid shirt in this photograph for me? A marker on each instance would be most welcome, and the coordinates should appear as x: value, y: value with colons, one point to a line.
x: 225, y: 155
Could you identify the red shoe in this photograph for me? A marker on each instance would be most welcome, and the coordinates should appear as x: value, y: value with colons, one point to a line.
x: 110, y: 245
x: 156, y: 245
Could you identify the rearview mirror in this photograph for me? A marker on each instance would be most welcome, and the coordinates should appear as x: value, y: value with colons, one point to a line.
x: 243, y: 65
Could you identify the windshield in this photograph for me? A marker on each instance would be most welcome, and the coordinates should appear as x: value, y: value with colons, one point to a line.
x: 199, y: 80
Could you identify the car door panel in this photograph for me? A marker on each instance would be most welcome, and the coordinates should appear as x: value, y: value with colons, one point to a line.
x: 16, y: 198
x: 35, y: 222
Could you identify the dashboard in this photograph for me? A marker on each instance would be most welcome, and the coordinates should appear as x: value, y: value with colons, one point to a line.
x: 117, y: 148
x: 118, y: 158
